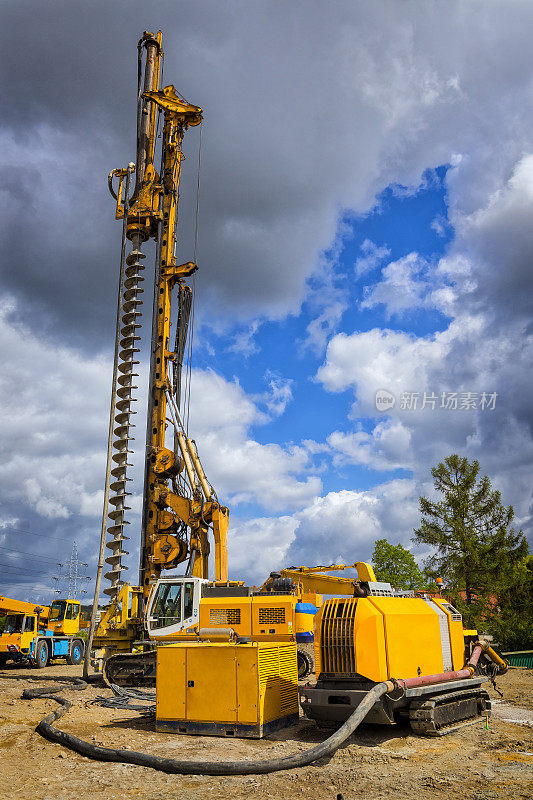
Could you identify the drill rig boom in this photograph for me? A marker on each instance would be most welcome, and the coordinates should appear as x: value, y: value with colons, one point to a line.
x: 175, y: 522
x: 179, y: 504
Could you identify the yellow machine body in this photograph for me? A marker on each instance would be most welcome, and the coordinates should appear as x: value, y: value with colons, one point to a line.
x: 262, y: 618
x: 31, y: 618
x: 225, y: 689
x: 28, y: 624
x: 62, y: 618
x: 10, y: 606
x: 388, y: 637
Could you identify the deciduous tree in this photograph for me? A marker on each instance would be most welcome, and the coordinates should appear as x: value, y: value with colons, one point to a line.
x: 396, y: 565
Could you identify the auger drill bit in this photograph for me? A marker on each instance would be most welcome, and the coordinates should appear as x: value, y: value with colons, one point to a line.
x: 127, y: 363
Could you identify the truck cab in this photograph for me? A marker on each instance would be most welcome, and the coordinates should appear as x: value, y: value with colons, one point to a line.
x: 65, y: 617
x: 17, y: 636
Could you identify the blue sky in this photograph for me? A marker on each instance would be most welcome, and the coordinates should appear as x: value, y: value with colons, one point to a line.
x: 400, y: 222
x: 365, y: 224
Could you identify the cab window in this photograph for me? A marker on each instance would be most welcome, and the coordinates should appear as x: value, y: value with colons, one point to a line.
x: 14, y: 623
x: 57, y: 610
x: 29, y: 624
x: 188, y: 597
x: 167, y: 605
x: 72, y: 611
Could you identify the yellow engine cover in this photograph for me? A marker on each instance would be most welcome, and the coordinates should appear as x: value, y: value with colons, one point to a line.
x: 263, y: 618
x: 221, y: 689
x: 388, y: 637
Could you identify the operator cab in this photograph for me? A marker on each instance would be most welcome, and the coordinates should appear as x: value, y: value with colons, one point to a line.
x: 174, y: 606
x: 64, y: 609
x: 19, y: 623
x: 64, y: 616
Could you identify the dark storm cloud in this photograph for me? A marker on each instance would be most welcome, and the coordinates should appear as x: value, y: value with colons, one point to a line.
x: 71, y: 98
x: 309, y: 108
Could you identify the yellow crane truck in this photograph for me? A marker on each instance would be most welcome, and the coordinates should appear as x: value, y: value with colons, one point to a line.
x: 35, y: 634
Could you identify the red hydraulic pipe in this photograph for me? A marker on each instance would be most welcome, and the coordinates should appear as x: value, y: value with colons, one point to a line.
x: 442, y: 677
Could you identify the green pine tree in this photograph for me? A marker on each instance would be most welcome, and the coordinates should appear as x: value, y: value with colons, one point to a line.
x: 476, y: 549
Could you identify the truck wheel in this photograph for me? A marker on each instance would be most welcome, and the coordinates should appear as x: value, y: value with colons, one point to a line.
x: 76, y: 653
x: 41, y: 655
x: 305, y: 665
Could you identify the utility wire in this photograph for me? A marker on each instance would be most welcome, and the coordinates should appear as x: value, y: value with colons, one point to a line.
x: 23, y: 569
x: 32, y: 533
x: 22, y: 553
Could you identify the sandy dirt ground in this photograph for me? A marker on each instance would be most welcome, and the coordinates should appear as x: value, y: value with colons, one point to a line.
x: 377, y: 762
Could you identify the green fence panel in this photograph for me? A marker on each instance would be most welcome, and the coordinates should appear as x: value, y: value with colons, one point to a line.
x: 520, y: 658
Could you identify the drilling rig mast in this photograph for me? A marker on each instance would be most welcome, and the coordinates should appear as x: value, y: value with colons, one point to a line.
x: 179, y: 504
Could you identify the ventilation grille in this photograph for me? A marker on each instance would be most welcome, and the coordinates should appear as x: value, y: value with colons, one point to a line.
x: 278, y: 668
x: 268, y: 664
x: 271, y: 616
x: 225, y: 616
x: 288, y: 671
x: 337, y: 637
x: 445, y: 642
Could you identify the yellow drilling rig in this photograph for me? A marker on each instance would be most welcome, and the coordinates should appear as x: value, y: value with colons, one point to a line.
x: 181, y: 511
x: 376, y: 649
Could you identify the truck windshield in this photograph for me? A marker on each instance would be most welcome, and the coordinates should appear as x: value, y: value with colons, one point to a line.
x: 14, y: 623
x: 166, y: 609
x: 57, y: 610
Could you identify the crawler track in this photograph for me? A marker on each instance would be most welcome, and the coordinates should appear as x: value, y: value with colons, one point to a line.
x: 442, y: 714
x: 131, y: 669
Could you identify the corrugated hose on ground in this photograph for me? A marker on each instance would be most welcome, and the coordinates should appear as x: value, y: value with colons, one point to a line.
x: 174, y: 766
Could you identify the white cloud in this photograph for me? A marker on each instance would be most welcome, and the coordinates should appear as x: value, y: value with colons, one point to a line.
x: 379, y: 359
x: 372, y: 257
x: 387, y: 447
x: 324, y: 324
x: 439, y: 225
x: 340, y: 527
x: 244, y: 342
x: 53, y: 403
x: 344, y: 525
x: 326, y: 298
x: 259, y: 546
x: 241, y: 469
x: 278, y: 395
x: 412, y: 283
x: 471, y: 355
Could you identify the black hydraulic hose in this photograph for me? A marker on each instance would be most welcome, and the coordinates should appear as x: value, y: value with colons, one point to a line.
x: 172, y: 765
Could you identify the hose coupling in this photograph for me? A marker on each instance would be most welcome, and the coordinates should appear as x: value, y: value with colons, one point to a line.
x: 494, y: 657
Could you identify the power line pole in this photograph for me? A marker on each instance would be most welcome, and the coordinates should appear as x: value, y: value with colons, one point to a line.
x: 71, y: 579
